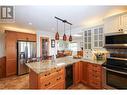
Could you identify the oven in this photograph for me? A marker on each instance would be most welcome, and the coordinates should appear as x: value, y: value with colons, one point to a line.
x: 115, y: 73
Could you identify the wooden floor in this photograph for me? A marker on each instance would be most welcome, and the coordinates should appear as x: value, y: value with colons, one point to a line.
x: 22, y: 82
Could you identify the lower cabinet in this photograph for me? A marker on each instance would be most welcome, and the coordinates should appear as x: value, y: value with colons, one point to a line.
x: 59, y: 85
x: 88, y: 73
x: 77, y: 72
x: 94, y: 76
x: 53, y: 79
x: 84, y: 72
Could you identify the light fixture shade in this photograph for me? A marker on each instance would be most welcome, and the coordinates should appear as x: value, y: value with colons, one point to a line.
x: 64, y: 37
x: 70, y: 38
x: 57, y: 36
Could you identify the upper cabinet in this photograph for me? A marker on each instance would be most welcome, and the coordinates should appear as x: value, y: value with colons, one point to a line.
x: 88, y: 39
x: 124, y: 22
x: 117, y: 23
x: 98, y: 37
x: 93, y: 37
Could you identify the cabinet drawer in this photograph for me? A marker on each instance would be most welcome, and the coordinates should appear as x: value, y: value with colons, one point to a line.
x: 47, y: 76
x: 59, y: 78
x: 95, y: 83
x: 60, y: 70
x: 46, y: 84
x: 94, y: 77
x: 90, y: 66
x: 95, y: 67
x: 47, y: 73
x: 59, y: 85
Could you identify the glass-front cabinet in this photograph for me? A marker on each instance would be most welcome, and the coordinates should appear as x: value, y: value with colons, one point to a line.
x: 98, y: 37
x: 87, y: 39
x: 93, y: 37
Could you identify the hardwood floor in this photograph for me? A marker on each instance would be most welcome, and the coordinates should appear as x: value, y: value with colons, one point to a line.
x: 22, y: 82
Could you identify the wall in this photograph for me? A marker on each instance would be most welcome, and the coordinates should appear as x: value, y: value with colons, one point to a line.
x: 2, y: 43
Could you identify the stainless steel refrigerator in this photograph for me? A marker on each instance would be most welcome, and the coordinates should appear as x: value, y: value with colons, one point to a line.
x: 25, y: 51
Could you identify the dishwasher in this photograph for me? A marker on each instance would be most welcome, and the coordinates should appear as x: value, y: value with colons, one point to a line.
x: 69, y: 76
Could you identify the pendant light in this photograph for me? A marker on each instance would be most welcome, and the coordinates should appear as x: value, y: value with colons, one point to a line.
x: 57, y: 34
x: 64, y: 36
x: 70, y: 37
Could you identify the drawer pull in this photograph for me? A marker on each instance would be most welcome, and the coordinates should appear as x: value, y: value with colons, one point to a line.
x: 47, y: 84
x: 58, y: 70
x: 95, y: 70
x: 58, y: 78
x: 47, y: 74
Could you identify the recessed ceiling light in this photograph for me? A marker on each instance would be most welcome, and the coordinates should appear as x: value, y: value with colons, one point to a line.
x: 30, y: 23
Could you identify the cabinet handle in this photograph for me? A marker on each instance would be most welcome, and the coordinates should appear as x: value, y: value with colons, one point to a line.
x: 47, y: 74
x: 58, y: 70
x: 47, y: 84
x: 119, y: 30
x: 58, y: 78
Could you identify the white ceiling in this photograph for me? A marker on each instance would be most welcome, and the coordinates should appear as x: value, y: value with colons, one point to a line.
x: 42, y: 17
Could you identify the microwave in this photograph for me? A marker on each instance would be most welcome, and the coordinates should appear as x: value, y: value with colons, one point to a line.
x: 116, y: 40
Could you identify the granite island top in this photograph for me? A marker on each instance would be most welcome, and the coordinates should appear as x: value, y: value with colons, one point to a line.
x: 43, y: 66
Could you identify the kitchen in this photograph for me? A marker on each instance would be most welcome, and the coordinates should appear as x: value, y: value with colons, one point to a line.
x: 64, y: 54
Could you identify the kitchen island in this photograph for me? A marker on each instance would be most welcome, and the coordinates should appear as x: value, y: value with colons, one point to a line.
x: 51, y: 75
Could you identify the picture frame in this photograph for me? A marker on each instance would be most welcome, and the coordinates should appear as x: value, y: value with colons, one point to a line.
x: 52, y: 43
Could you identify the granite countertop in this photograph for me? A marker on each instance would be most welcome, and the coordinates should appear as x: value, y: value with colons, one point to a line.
x: 43, y: 66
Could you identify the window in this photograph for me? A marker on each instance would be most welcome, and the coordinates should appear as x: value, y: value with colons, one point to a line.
x: 73, y: 46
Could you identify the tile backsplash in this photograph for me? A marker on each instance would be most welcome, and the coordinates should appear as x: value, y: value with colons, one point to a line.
x: 92, y: 53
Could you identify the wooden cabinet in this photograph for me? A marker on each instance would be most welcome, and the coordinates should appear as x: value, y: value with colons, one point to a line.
x: 117, y: 23
x: 2, y: 67
x: 11, y: 49
x: 94, y: 76
x: 77, y: 72
x: 52, y: 79
x: 26, y: 36
x: 83, y: 72
x: 44, y: 47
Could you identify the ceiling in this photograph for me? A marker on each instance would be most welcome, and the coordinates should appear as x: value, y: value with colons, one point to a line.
x: 41, y: 18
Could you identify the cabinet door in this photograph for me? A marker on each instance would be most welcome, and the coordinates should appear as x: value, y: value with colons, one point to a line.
x: 87, y: 39
x: 124, y: 22
x: 11, y: 67
x: 83, y: 72
x: 96, y: 39
x: 112, y: 24
x: 76, y: 72
x: 11, y: 52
